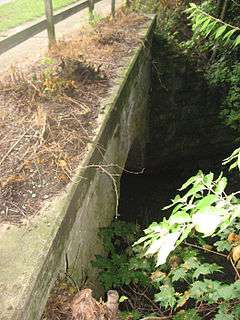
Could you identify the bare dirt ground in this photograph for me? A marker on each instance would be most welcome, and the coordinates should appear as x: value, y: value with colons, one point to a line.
x: 48, y: 113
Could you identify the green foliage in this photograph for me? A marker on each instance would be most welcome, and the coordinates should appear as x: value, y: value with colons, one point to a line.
x: 185, y: 273
x: 130, y: 315
x: 210, y: 26
x: 204, y: 212
x: 147, y: 6
x: 225, y: 75
x: 94, y: 18
x: 122, y: 266
x: 204, y: 208
x: 234, y: 159
x: 187, y: 314
x: 216, y: 42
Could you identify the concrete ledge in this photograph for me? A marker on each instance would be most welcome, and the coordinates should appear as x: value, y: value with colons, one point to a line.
x: 31, y: 256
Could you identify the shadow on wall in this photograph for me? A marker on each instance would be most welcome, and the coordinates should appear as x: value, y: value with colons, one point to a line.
x: 184, y: 117
x: 185, y: 135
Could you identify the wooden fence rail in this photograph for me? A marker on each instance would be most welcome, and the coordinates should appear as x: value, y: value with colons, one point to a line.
x: 27, y: 33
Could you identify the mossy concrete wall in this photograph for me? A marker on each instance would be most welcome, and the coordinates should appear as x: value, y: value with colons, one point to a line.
x: 65, y: 233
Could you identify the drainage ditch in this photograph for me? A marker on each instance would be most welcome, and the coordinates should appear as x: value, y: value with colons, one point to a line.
x: 185, y: 136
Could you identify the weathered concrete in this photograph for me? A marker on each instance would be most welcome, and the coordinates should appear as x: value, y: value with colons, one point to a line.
x: 32, y: 256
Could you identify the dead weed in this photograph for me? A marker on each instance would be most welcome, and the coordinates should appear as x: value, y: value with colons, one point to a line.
x: 49, y: 113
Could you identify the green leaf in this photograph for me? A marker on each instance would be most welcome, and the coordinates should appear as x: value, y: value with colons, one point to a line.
x: 226, y: 292
x: 206, y: 201
x: 233, y: 165
x: 198, y: 289
x: 122, y: 299
x: 200, y: 20
x: 195, y: 189
x: 191, y: 263
x: 224, y: 314
x: 220, y: 31
x: 237, y: 41
x: 236, y: 311
x: 208, y: 179
x: 210, y: 28
x: 166, y: 297
x: 221, y: 185
x: 229, y: 34
x: 205, y: 24
x: 179, y: 218
x: 205, y: 269
x: 187, y: 314
x: 179, y: 273
x: 185, y: 233
x: 179, y: 206
x: 232, y: 156
x: 142, y: 239
x: 222, y: 245
x: 188, y: 183
x: 238, y: 158
x: 207, y: 220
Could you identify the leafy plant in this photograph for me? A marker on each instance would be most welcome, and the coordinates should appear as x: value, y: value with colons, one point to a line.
x: 204, y: 208
x: 116, y: 270
x: 210, y: 26
x: 203, y: 213
x: 94, y: 18
x: 124, y: 269
x: 225, y: 75
x: 183, y: 261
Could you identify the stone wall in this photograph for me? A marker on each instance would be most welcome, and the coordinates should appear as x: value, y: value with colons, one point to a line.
x: 65, y: 233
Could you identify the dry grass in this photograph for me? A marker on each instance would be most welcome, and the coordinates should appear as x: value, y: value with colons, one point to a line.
x: 48, y: 114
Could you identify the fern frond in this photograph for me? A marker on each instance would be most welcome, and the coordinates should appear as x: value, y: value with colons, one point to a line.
x: 210, y: 26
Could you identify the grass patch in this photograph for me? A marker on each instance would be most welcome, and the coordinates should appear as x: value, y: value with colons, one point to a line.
x: 19, y: 11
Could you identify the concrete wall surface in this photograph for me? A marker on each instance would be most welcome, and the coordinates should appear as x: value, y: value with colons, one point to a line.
x: 66, y: 230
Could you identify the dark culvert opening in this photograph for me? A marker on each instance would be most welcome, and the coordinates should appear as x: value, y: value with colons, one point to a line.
x: 185, y: 135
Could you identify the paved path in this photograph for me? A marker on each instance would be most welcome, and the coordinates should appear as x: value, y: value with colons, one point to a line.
x: 32, y: 49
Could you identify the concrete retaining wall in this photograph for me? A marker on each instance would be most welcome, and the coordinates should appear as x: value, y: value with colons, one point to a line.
x: 65, y: 232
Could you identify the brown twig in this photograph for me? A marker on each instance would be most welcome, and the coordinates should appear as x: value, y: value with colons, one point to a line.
x: 234, y: 267
x: 205, y: 249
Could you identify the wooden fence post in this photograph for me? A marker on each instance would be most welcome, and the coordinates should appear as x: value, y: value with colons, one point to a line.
x: 50, y: 23
x: 113, y: 8
x: 91, y: 8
